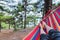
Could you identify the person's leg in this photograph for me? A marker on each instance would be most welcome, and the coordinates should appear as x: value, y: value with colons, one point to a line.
x: 43, y: 35
x: 54, y: 34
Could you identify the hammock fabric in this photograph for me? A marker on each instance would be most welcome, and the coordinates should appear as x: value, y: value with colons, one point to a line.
x: 52, y: 19
x: 34, y: 35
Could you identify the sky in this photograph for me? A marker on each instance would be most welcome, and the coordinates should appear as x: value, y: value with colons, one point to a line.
x: 31, y: 1
x: 54, y: 1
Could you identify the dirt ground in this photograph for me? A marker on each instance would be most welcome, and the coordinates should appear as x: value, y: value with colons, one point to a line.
x: 10, y: 35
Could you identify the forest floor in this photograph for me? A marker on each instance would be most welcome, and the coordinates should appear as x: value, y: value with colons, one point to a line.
x: 10, y: 35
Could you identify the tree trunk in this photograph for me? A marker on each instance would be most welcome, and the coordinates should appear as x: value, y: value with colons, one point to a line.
x: 28, y: 23
x: 0, y: 26
x: 9, y: 25
x: 14, y: 24
x: 34, y: 23
x: 48, y: 5
x: 25, y: 13
x: 14, y: 27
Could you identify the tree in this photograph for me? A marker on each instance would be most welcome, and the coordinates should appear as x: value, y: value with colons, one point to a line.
x: 25, y: 5
x: 31, y: 18
x: 48, y: 5
x: 15, y: 14
x: 1, y: 15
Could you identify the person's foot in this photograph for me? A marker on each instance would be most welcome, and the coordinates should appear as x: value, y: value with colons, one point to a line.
x: 42, y: 31
x: 47, y: 27
x: 58, y: 28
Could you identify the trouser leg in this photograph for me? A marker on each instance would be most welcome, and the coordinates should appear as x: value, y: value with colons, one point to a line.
x: 44, y: 37
x: 54, y: 34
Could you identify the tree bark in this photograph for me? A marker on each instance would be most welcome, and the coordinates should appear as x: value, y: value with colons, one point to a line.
x: 34, y: 23
x: 48, y: 5
x: 14, y: 24
x: 0, y: 26
x: 25, y: 13
x: 14, y: 27
x: 9, y: 26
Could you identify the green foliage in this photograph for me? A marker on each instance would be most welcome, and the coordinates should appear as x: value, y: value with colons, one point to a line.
x: 4, y: 25
x: 31, y: 18
x: 20, y: 7
x: 15, y: 13
x: 1, y: 7
x: 5, y: 18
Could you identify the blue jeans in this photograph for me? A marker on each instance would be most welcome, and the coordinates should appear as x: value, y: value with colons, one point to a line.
x: 52, y: 35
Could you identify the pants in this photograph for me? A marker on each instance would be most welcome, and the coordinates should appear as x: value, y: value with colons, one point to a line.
x: 52, y: 35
